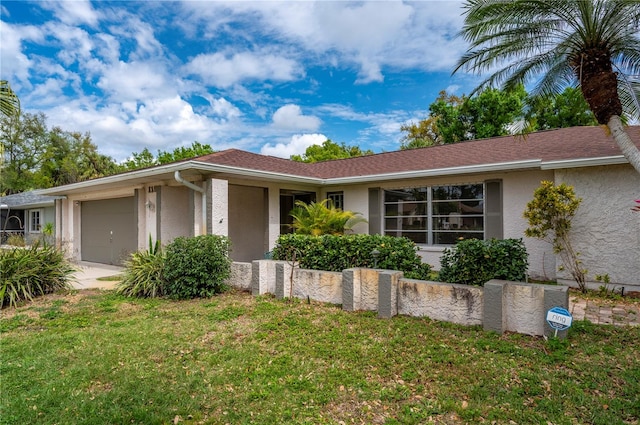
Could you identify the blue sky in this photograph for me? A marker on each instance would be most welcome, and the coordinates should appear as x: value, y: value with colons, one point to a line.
x: 264, y: 76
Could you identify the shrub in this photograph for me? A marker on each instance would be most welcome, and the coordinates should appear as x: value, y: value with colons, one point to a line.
x: 143, y: 274
x: 16, y: 240
x: 474, y: 262
x: 26, y: 273
x: 549, y: 214
x: 336, y: 253
x: 197, y: 267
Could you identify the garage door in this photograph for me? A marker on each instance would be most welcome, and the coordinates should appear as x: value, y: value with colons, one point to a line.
x: 109, y: 230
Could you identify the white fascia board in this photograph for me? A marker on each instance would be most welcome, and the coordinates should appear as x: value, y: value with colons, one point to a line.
x: 116, y: 178
x: 584, y: 162
x: 471, y: 169
x: 290, y: 178
x: 150, y: 173
x: 248, y: 172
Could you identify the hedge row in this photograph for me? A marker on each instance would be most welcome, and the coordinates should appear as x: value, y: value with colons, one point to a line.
x: 339, y: 252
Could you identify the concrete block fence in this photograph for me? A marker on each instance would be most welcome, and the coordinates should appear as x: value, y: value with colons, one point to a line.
x: 499, y: 306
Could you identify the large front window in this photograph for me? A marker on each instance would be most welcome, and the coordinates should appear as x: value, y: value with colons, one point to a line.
x: 435, y: 215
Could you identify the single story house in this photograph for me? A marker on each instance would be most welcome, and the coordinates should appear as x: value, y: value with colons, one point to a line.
x: 433, y: 196
x: 25, y: 214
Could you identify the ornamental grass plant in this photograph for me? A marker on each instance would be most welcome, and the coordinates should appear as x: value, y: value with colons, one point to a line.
x: 29, y: 272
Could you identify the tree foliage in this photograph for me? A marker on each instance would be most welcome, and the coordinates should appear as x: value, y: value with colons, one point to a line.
x: 146, y: 159
x: 591, y: 44
x: 454, y: 119
x: 9, y: 101
x: 329, y: 150
x: 567, y: 109
x: 36, y: 157
x: 549, y: 215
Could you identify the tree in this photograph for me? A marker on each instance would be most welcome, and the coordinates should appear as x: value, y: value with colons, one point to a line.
x: 420, y: 135
x: 72, y: 157
x: 143, y: 159
x: 549, y: 215
x: 568, y: 109
x: 146, y: 159
x: 9, y: 101
x: 196, y: 149
x: 594, y: 44
x: 24, y: 141
x: 37, y: 158
x: 453, y: 119
x: 329, y: 150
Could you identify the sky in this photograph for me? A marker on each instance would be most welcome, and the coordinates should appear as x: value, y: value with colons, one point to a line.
x: 264, y: 76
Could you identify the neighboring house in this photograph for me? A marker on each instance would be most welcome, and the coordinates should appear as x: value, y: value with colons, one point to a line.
x: 432, y: 195
x: 24, y: 214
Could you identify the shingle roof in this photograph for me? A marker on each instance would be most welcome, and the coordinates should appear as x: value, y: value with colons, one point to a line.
x: 552, y: 145
x: 27, y: 199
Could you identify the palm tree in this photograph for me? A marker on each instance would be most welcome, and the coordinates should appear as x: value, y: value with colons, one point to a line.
x: 9, y: 102
x: 321, y: 218
x: 594, y: 44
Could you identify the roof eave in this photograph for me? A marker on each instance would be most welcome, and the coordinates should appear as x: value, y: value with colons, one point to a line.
x: 584, y: 162
x: 470, y: 169
x: 199, y: 166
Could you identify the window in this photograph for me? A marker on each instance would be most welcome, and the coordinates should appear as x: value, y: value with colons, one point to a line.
x: 435, y: 215
x: 337, y: 199
x: 35, y: 221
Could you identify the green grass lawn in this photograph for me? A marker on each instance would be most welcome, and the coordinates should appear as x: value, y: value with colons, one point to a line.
x: 93, y: 357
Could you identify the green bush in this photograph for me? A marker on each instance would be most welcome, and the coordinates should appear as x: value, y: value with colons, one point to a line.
x: 143, y: 275
x: 474, y: 262
x: 26, y: 273
x: 336, y: 253
x: 196, y: 267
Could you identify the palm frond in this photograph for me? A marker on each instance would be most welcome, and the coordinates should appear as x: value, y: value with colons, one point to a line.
x: 9, y: 101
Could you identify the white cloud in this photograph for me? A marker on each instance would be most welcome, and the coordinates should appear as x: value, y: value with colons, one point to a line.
x: 368, y: 35
x: 156, y: 124
x: 297, y: 145
x: 223, y: 70
x: 135, y: 81
x: 223, y: 108
x: 14, y: 62
x: 131, y: 27
x: 76, y: 43
x: 290, y: 117
x: 75, y: 12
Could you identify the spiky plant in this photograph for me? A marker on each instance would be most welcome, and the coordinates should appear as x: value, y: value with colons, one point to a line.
x: 322, y: 218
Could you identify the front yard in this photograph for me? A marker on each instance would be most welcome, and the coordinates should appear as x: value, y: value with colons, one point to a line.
x: 92, y: 357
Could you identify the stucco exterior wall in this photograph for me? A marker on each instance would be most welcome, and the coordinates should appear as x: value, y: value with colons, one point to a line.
x: 517, y: 191
x: 605, y: 231
x: 175, y: 218
x: 247, y: 222
x: 356, y: 199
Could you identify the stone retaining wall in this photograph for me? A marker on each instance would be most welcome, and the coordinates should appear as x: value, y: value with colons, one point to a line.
x: 499, y: 306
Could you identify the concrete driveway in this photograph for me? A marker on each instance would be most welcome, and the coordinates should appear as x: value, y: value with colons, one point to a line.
x: 88, y: 273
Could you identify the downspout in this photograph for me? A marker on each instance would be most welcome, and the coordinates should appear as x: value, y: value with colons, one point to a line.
x: 197, y: 188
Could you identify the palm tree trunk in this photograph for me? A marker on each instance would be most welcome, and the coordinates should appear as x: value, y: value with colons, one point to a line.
x: 626, y: 145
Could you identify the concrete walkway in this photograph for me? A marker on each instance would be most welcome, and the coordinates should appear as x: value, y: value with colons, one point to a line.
x: 88, y: 273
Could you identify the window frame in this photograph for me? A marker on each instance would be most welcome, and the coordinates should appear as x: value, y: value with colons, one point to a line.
x: 336, y: 198
x: 429, y: 228
x: 40, y: 216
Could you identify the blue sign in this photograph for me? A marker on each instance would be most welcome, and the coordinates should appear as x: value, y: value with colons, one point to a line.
x: 559, y: 318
